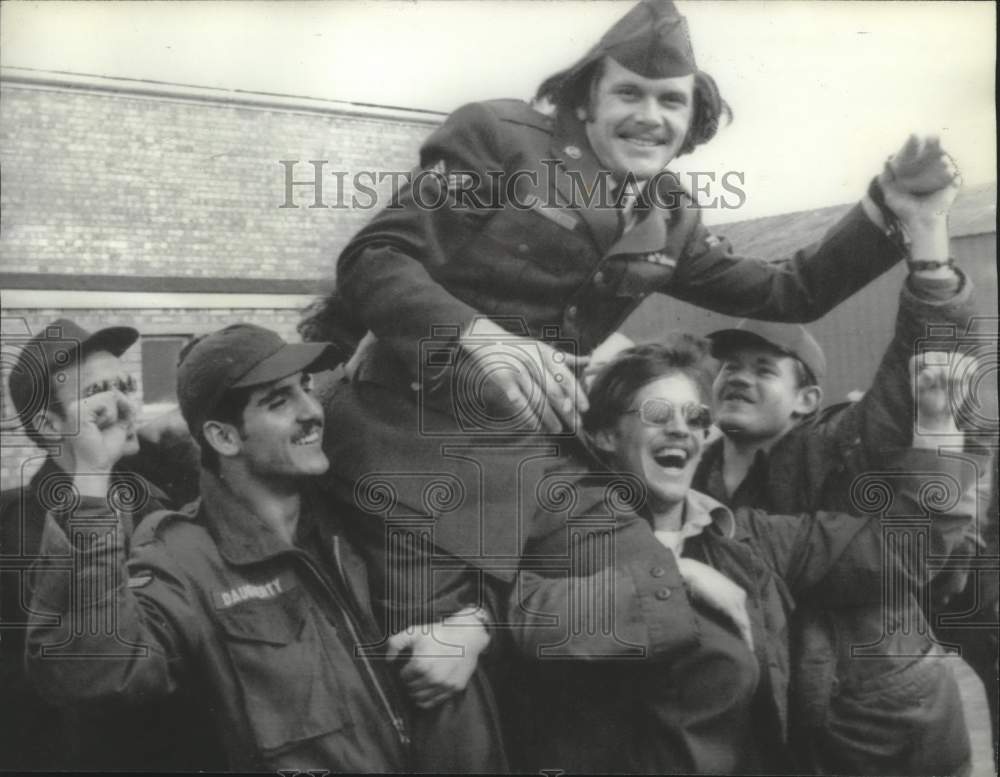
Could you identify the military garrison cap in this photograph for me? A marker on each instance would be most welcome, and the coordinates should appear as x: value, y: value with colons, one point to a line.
x: 651, y: 40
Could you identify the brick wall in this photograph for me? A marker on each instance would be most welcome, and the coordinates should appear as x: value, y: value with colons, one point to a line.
x: 123, y: 184
x: 111, y: 182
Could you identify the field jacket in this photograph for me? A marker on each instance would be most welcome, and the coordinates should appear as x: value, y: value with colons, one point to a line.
x: 212, y: 598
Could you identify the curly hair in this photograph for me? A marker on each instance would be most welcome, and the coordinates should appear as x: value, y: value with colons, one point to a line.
x: 615, y: 387
x: 568, y: 91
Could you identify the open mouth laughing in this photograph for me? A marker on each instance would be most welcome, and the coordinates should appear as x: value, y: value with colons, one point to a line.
x: 672, y: 457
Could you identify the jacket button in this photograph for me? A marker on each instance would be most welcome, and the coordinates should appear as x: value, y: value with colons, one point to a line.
x: 657, y: 571
x: 571, y: 311
x: 663, y: 594
x: 523, y: 248
x: 598, y: 277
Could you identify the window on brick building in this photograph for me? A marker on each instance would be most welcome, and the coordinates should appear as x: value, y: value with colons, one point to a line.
x: 159, y: 367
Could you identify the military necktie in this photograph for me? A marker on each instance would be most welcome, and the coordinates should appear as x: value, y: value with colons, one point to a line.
x: 626, y: 208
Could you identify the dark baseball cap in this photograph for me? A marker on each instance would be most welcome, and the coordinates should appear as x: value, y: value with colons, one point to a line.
x: 240, y: 356
x: 790, y: 339
x: 54, y: 349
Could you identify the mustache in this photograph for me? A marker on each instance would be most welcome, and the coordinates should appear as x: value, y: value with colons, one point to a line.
x: 735, y: 392
x: 307, y: 429
x: 655, y: 134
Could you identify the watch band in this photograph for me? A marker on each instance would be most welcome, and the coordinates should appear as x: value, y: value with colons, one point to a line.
x: 921, y: 265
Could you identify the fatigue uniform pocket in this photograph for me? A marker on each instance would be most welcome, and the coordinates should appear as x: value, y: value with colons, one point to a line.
x: 289, y: 692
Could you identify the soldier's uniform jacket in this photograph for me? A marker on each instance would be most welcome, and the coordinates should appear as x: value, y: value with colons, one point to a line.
x: 459, y: 244
x: 540, y: 263
x: 212, y: 599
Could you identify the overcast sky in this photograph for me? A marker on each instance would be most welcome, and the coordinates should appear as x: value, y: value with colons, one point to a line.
x: 822, y: 92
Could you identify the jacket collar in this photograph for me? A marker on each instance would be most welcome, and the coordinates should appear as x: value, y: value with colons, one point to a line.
x: 648, y: 236
x: 702, y: 510
x: 572, y: 148
x: 242, y: 536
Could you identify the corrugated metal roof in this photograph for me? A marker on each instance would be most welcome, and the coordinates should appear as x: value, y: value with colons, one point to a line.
x: 974, y: 213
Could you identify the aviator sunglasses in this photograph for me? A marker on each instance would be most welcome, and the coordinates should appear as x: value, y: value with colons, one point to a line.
x: 660, y: 412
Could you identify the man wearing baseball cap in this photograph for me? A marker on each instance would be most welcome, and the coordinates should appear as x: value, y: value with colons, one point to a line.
x: 255, y: 591
x: 898, y: 709
x: 74, y: 398
x: 251, y: 593
x: 771, y: 344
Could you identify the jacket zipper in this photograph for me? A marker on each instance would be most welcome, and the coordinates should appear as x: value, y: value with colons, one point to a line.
x: 397, y: 721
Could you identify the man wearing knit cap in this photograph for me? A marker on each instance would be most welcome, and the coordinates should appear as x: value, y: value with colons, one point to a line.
x: 870, y: 695
x: 254, y: 594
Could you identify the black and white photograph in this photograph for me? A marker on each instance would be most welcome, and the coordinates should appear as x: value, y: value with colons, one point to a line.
x: 480, y: 387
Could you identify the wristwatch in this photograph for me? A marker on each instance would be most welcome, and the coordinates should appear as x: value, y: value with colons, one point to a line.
x: 922, y: 265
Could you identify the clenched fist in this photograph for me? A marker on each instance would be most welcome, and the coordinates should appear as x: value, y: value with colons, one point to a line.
x: 920, y: 167
x: 442, y: 657
x: 941, y: 383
